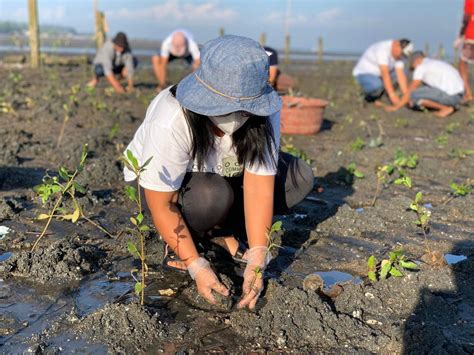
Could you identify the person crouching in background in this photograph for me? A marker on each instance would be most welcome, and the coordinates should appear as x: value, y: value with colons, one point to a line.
x: 115, y: 58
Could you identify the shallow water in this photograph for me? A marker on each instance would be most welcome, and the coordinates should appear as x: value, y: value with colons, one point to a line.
x: 452, y: 259
x: 335, y: 277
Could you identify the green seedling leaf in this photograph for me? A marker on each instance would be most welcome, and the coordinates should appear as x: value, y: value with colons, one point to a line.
x: 146, y: 164
x: 372, y: 276
x: 358, y: 174
x: 406, y: 181
x: 408, y: 265
x: 83, y: 157
x: 42, y: 216
x: 395, y: 272
x: 386, y: 266
x: 144, y: 228
x: 131, y: 158
x: 63, y: 173
x: 114, y: 130
x: 138, y: 288
x: 132, y: 249
x: 134, y: 221
x: 357, y: 144
x: 371, y: 266
x: 276, y: 227
x: 79, y: 188
x: 131, y: 193
x: 418, y: 197
x: 140, y: 218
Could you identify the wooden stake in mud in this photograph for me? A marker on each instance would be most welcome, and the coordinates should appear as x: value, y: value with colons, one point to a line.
x: 100, y: 27
x: 287, y: 49
x: 263, y: 39
x: 34, y: 33
x: 221, y: 31
x: 320, y: 49
x: 441, y: 51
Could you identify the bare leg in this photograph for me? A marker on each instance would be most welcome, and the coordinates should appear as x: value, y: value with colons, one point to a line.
x: 463, y: 70
x: 379, y: 103
x: 439, y: 110
x: 159, y: 68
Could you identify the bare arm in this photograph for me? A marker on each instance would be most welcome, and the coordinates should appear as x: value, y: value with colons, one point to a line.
x: 402, y: 80
x: 169, y: 222
x: 162, y: 70
x: 115, y: 83
x: 258, y: 207
x: 388, y: 85
x: 406, y: 97
x: 273, y: 75
x: 196, y: 64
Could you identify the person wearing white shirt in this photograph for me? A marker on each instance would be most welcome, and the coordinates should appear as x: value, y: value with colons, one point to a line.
x: 178, y: 45
x: 381, y: 67
x: 436, y: 85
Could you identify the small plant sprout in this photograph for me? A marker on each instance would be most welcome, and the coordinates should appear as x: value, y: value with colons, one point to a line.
x: 352, y: 169
x: 442, y: 139
x: 405, y: 160
x: 139, y: 227
x: 405, y: 181
x: 298, y: 153
x: 357, y: 144
x: 60, y: 187
x: 382, y: 174
x: 460, y: 190
x: 423, y: 217
x: 451, y: 127
x: 68, y: 109
x: 394, y: 266
x: 460, y: 153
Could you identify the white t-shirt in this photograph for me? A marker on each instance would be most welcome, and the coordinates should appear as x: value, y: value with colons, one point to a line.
x: 440, y: 75
x: 376, y: 55
x: 192, y: 47
x: 165, y: 136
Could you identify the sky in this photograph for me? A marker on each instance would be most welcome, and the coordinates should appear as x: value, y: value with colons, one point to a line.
x: 345, y: 25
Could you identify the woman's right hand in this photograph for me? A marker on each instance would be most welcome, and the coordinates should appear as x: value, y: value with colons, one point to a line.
x: 206, y: 280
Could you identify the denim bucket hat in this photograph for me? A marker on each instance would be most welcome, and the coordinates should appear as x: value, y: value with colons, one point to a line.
x: 233, y: 76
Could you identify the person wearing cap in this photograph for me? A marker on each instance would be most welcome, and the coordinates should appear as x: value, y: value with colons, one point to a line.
x: 436, y: 86
x: 215, y: 168
x: 465, y: 42
x: 381, y: 67
x: 115, y: 58
x: 178, y: 45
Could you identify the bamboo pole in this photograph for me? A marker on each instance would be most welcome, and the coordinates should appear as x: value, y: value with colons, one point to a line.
x: 263, y: 39
x: 99, y: 29
x: 320, y: 49
x: 221, y: 31
x: 34, y: 34
x: 287, y: 49
x: 441, y: 51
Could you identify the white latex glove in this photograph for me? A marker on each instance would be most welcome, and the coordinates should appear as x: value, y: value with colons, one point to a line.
x: 206, y: 280
x: 458, y: 42
x: 257, y: 260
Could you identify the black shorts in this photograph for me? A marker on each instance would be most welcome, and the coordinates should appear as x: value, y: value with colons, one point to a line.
x: 189, y: 58
x: 99, y: 69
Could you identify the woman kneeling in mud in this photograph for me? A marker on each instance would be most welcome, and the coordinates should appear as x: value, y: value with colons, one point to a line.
x: 216, y: 170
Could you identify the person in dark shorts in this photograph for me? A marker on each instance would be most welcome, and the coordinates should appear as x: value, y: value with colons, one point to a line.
x: 178, y: 45
x: 436, y: 86
x: 216, y: 172
x: 115, y: 58
x: 466, y: 43
x: 281, y: 82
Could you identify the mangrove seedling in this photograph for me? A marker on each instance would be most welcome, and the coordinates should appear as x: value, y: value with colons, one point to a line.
x: 298, y: 153
x: 68, y: 108
x: 460, y: 153
x: 442, y: 139
x: 382, y: 175
x: 140, y: 228
x: 460, y: 190
x: 451, y: 127
x: 423, y: 218
x: 405, y: 160
x: 405, y: 181
x: 357, y: 144
x: 66, y: 185
x: 394, y: 266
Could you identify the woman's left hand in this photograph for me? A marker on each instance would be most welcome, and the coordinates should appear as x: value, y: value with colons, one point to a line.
x: 257, y: 260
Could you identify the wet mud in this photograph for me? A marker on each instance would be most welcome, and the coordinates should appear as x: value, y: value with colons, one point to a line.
x: 75, y: 292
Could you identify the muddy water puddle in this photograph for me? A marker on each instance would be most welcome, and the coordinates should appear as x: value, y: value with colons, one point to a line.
x: 27, y: 310
x: 452, y: 259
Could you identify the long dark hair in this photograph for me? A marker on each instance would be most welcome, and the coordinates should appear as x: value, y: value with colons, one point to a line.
x: 254, y: 142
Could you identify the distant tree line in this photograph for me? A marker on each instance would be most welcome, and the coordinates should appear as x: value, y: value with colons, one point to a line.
x: 9, y: 27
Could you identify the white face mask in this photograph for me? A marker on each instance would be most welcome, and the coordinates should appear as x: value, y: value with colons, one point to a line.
x: 231, y: 122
